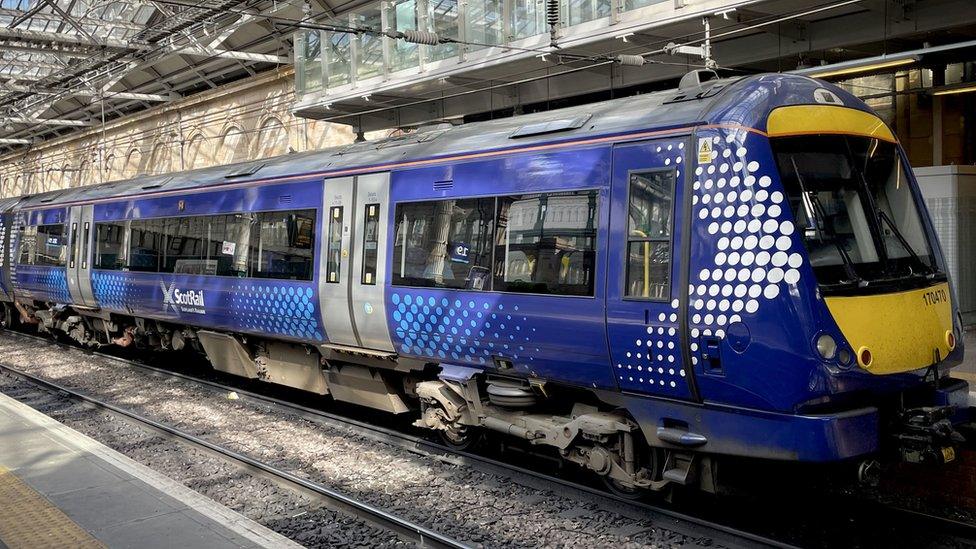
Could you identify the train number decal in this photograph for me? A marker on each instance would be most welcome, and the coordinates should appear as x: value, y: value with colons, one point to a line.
x: 936, y: 296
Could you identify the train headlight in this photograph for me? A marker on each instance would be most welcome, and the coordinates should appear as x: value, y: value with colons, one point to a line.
x: 827, y: 347
x: 950, y: 339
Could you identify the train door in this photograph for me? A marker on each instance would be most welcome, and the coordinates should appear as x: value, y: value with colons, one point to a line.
x: 352, y: 267
x: 80, y: 232
x: 645, y: 300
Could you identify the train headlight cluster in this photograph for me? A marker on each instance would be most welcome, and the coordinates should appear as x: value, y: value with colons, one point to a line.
x: 827, y: 347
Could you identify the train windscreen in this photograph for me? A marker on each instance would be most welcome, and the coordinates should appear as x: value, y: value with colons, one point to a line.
x: 856, y: 212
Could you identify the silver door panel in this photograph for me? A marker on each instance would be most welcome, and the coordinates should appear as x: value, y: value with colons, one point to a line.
x: 74, y: 252
x: 368, y: 303
x: 334, y: 295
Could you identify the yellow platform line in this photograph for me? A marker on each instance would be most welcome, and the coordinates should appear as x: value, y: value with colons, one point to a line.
x: 28, y: 520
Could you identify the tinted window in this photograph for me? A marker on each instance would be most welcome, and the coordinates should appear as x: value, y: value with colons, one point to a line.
x: 650, y: 207
x: 443, y: 243
x: 282, y: 245
x: 371, y: 237
x: 147, y: 244
x: 44, y: 245
x: 110, y: 245
x: 262, y: 245
x: 228, y: 240
x: 546, y: 243
x: 186, y: 245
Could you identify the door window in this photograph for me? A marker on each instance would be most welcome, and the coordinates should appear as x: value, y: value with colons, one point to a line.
x: 649, y: 221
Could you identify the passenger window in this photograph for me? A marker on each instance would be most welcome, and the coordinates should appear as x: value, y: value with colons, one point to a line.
x: 371, y: 238
x: 28, y: 242
x: 650, y: 208
x: 48, y: 245
x: 147, y: 245
x: 109, y: 248
x: 185, y: 247
x: 228, y: 241
x: 546, y: 243
x: 282, y: 245
x: 444, y: 243
x: 334, y: 261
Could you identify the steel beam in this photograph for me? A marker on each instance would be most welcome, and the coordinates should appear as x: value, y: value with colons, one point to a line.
x: 8, y: 12
x: 44, y: 121
x: 231, y: 54
x: 45, y: 37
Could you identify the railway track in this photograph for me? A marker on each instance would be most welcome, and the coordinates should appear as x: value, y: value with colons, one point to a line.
x: 404, y: 528
x: 688, y: 525
x: 722, y: 534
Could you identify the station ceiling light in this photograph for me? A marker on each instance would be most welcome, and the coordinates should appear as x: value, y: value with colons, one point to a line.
x: 859, y: 66
x: 956, y: 90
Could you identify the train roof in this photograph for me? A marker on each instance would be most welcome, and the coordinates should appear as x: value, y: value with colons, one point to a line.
x: 713, y: 102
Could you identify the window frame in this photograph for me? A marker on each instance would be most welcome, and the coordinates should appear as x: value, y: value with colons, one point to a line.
x: 625, y: 256
x: 601, y: 199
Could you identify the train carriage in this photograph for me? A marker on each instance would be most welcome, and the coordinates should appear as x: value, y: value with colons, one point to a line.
x: 735, y: 268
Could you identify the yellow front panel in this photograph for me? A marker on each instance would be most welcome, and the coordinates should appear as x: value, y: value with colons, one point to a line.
x: 825, y: 119
x: 902, y: 330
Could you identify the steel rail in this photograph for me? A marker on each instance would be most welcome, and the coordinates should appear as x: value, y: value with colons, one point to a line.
x: 385, y: 520
x: 676, y: 521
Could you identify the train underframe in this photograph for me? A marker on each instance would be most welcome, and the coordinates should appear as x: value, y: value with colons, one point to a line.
x: 461, y: 404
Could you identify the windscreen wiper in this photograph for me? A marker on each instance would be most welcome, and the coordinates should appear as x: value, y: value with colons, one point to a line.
x: 883, y: 218
x: 820, y: 216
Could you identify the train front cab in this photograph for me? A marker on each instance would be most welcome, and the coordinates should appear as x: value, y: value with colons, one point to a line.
x: 820, y: 318
x: 880, y: 271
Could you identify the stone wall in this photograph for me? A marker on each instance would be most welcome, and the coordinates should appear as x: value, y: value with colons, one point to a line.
x: 246, y: 120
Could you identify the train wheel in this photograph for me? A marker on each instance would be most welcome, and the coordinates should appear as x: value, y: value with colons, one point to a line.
x: 461, y: 437
x: 647, y: 458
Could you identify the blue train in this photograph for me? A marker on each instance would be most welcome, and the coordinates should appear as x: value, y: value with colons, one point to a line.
x: 739, y: 267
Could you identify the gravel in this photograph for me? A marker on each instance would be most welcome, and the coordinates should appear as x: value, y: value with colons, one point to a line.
x: 467, y: 504
x: 290, y: 514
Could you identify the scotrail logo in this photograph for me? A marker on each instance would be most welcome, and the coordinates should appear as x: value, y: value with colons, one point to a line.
x: 185, y: 301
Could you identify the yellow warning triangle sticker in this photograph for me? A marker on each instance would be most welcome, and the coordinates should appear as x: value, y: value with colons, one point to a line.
x: 704, y: 151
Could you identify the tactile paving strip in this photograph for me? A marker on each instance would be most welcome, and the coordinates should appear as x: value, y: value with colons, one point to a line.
x: 28, y: 520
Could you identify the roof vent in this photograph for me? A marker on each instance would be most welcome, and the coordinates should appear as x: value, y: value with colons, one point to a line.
x: 551, y: 126
x: 443, y: 185
x: 245, y: 170
x: 157, y: 184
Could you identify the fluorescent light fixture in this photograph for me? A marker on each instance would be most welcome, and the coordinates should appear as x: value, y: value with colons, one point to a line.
x: 954, y: 91
x: 857, y: 67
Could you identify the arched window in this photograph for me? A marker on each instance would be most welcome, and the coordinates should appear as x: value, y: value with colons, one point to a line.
x: 232, y: 147
x: 272, y: 139
x: 133, y: 163
x: 160, y: 161
x: 109, y: 168
x: 198, y: 154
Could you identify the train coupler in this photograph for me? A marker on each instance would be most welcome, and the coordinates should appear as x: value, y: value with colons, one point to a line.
x: 927, y: 436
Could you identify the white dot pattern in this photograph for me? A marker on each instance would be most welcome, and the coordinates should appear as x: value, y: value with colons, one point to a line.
x: 755, y: 251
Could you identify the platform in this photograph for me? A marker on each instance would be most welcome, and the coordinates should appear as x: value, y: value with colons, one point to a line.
x: 60, y: 488
x: 967, y: 370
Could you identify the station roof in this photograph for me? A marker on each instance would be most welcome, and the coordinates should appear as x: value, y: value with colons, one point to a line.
x: 69, y: 64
